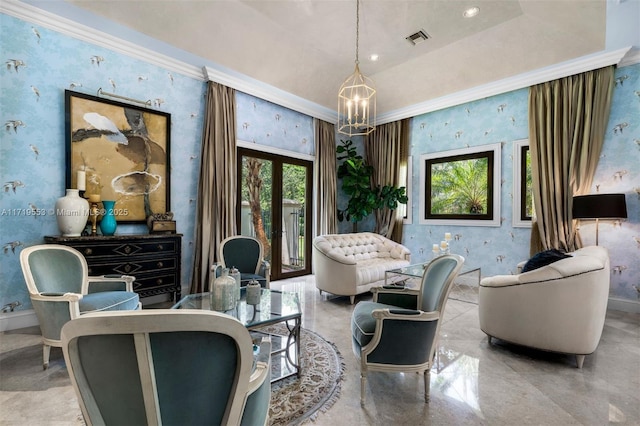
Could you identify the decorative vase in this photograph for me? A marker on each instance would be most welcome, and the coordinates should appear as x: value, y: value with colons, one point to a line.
x: 108, y: 223
x: 223, y: 294
x: 72, y: 213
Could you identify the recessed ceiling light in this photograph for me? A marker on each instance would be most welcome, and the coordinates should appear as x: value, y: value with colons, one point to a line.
x: 374, y: 57
x: 471, y: 12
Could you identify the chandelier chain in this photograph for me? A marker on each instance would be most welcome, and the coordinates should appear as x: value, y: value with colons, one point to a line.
x: 357, y: 30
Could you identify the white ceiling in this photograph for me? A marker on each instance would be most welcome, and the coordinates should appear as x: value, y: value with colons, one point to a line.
x: 307, y: 47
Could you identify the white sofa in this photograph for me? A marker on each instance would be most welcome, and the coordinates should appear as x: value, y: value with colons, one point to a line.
x: 351, y: 264
x: 560, y: 307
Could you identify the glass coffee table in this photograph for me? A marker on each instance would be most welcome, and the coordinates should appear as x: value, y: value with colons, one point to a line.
x: 465, y: 285
x: 278, y: 315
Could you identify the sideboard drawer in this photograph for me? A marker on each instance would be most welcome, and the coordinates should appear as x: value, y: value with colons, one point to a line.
x: 127, y: 249
x: 154, y: 260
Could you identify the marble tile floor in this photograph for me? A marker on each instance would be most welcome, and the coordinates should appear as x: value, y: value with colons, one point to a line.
x: 474, y: 383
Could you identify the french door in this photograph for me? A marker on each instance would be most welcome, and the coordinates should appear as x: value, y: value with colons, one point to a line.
x: 274, y: 206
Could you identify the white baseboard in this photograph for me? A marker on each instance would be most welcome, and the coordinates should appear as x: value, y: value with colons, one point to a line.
x: 623, y: 305
x: 18, y: 319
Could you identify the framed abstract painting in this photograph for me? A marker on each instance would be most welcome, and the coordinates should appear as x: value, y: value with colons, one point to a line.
x: 118, y: 152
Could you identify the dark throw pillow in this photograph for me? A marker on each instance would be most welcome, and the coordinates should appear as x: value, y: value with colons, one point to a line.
x: 544, y: 258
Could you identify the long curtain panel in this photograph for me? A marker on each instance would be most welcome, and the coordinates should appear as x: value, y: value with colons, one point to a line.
x: 326, y: 172
x: 216, y: 204
x: 386, y: 149
x: 567, y: 122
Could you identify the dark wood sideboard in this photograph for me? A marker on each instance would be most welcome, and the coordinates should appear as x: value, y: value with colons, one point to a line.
x: 154, y: 259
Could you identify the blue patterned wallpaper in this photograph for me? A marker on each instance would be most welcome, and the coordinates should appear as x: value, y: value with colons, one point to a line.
x: 264, y: 123
x: 41, y: 64
x: 503, y: 119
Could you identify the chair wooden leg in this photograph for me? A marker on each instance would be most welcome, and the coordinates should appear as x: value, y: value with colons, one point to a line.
x: 46, y: 351
x: 427, y: 385
x: 352, y: 299
x: 579, y: 360
x: 489, y: 338
x: 363, y: 383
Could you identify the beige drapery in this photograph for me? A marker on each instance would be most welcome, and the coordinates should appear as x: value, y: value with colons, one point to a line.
x: 326, y: 186
x: 567, y: 122
x: 216, y: 204
x: 387, y: 150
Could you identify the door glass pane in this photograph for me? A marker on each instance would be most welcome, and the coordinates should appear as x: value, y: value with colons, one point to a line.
x: 257, y: 194
x: 294, y: 191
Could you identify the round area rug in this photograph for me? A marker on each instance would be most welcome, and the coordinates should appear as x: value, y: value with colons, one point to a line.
x: 296, y: 400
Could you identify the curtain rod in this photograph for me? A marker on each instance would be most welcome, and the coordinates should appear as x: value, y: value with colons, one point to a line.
x: 113, y: 95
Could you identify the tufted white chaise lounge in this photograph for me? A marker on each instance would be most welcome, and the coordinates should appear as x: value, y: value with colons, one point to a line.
x: 350, y: 264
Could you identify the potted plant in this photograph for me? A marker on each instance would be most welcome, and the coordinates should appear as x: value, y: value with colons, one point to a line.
x: 356, y: 183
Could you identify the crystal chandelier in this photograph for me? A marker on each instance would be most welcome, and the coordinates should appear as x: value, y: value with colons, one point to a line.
x: 357, y: 98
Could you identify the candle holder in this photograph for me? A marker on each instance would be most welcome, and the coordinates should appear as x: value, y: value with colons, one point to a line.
x: 444, y: 247
x: 93, y: 216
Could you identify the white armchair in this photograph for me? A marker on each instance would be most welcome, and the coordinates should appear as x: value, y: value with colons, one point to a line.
x: 560, y: 307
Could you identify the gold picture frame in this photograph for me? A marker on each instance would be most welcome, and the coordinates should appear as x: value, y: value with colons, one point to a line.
x: 123, y: 151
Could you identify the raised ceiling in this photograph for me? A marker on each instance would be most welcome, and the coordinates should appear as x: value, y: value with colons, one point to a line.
x: 307, y: 47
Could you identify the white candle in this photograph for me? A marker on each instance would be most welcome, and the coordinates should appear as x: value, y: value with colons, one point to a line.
x: 364, y: 110
x: 435, y: 247
x: 81, y: 180
x: 349, y: 110
x: 447, y: 236
x: 443, y: 245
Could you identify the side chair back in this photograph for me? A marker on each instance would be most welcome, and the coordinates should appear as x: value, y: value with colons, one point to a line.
x: 54, y: 269
x: 162, y: 366
x: 247, y: 255
x: 436, y: 282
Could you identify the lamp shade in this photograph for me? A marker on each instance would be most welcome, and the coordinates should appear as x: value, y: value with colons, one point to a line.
x: 600, y: 206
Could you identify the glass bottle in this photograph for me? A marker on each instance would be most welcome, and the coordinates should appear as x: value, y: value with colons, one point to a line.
x: 235, y: 274
x: 224, y: 292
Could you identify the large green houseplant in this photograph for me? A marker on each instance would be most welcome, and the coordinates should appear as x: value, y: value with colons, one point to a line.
x: 356, y: 183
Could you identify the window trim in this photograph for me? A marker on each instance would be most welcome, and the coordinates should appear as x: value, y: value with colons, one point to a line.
x: 495, y: 174
x: 408, y: 218
x: 517, y: 220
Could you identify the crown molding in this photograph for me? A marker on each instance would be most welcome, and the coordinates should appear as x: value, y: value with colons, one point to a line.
x: 631, y: 58
x: 45, y: 19
x: 542, y: 75
x: 243, y: 83
x: 270, y: 93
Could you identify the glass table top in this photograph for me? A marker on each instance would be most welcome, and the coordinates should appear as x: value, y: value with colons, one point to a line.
x: 275, y: 307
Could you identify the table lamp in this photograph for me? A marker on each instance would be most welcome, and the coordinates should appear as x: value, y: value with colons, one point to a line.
x: 599, y: 206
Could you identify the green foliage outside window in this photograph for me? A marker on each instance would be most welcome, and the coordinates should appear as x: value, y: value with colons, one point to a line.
x: 459, y: 187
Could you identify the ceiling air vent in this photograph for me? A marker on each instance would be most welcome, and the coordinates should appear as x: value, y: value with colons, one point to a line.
x: 418, y: 37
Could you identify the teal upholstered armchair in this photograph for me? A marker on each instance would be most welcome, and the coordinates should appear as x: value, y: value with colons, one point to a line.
x: 398, y: 331
x: 61, y: 290
x: 165, y: 366
x: 247, y: 255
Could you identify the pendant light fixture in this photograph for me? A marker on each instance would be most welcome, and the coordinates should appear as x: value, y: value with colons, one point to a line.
x: 357, y: 98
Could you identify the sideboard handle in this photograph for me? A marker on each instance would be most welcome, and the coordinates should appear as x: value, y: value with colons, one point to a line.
x: 88, y: 251
x: 160, y: 264
x: 160, y: 247
x: 159, y: 281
